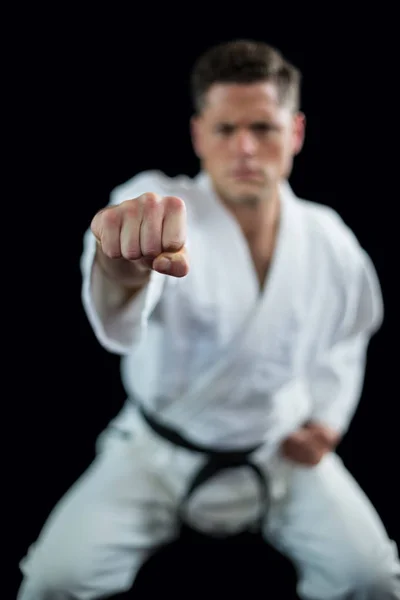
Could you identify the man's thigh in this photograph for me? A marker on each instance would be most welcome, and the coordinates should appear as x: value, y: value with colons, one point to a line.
x: 327, y: 526
x: 106, y: 525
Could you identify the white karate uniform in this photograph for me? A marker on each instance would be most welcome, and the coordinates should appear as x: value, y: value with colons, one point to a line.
x: 228, y: 366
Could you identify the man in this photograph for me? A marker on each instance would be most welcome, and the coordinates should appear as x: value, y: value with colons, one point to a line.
x: 243, y: 316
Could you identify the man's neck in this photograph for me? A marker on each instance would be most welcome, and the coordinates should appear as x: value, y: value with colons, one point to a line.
x: 259, y: 223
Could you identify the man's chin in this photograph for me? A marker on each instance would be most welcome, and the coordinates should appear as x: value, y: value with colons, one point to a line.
x: 245, y: 192
x: 248, y: 198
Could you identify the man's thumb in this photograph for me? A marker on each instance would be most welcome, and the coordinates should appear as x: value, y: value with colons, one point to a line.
x: 175, y: 264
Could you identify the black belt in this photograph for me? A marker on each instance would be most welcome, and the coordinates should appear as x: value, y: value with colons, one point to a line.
x: 218, y: 460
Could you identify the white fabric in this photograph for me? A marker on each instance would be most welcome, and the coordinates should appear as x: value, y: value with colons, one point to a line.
x: 220, y: 361
x: 228, y: 366
x: 125, y: 505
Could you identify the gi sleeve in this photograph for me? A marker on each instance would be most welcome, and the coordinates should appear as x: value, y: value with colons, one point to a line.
x: 118, y: 331
x: 337, y: 377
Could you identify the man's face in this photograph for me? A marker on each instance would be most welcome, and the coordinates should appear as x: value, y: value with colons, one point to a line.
x: 246, y: 140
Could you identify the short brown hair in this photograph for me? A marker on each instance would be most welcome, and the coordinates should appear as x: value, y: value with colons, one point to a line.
x: 245, y: 61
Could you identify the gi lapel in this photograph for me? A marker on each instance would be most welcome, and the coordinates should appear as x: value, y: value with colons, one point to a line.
x: 267, y: 340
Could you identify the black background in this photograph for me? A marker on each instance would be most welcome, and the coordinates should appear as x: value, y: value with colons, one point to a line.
x: 105, y: 96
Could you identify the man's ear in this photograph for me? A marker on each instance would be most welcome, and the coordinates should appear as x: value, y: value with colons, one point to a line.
x: 299, y: 131
x: 196, y: 135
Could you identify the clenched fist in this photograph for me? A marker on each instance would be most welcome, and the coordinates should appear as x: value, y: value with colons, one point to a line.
x: 138, y: 235
x: 309, y: 444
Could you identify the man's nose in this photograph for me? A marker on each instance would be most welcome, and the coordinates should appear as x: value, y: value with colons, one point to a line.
x: 245, y: 142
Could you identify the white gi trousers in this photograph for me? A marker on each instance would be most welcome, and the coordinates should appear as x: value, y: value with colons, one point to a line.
x: 125, y: 505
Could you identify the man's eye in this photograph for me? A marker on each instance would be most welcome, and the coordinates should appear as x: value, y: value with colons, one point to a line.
x: 225, y: 129
x: 262, y: 128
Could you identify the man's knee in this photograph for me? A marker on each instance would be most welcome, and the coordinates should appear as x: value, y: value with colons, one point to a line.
x: 42, y: 589
x: 382, y: 587
x: 52, y: 576
x: 357, y: 578
x: 380, y: 578
x: 375, y: 580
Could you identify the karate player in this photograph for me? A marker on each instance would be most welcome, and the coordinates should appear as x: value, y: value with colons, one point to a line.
x: 243, y: 315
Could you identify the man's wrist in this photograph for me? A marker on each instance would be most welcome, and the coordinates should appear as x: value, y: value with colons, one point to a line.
x: 130, y: 277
